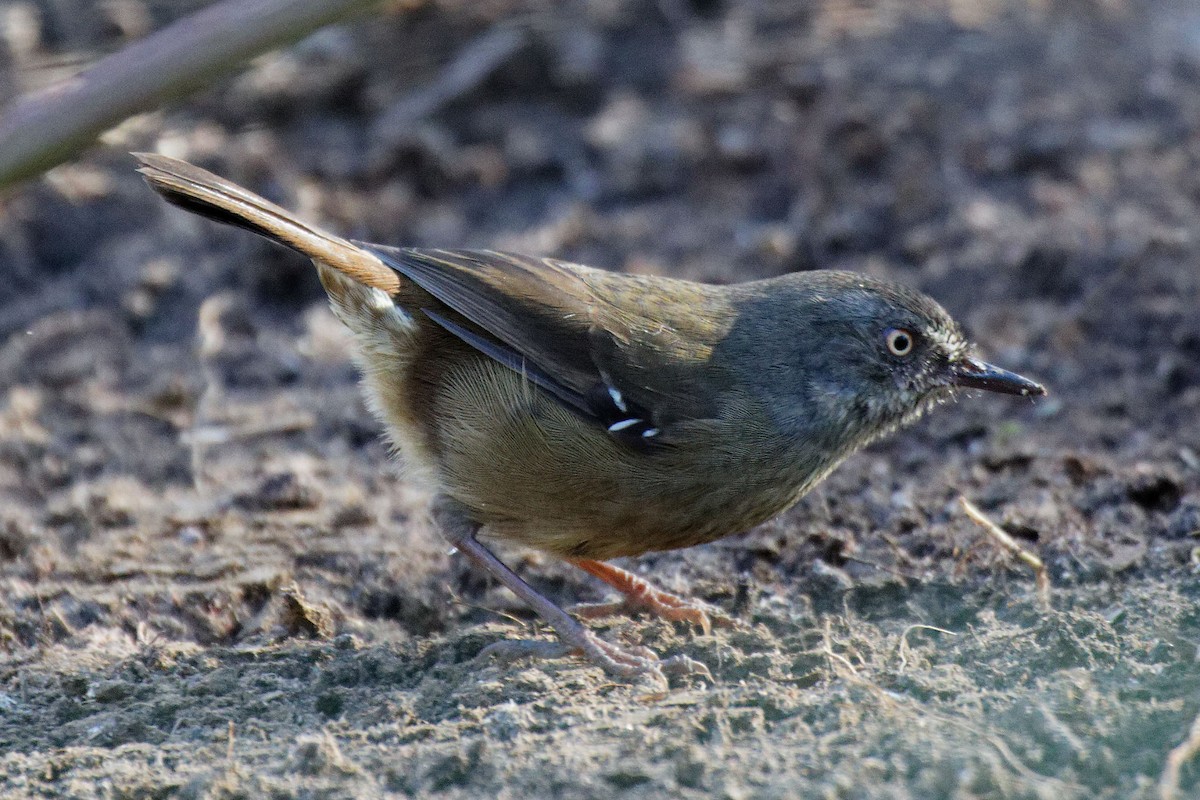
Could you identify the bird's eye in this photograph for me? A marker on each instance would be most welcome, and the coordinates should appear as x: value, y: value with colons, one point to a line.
x: 899, y: 341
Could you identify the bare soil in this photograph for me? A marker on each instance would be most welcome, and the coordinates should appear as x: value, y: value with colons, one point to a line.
x: 216, y: 583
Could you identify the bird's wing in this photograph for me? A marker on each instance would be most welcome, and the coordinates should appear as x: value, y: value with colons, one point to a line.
x: 628, y: 359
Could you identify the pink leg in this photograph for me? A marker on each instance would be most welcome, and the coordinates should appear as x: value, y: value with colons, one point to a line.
x: 640, y: 595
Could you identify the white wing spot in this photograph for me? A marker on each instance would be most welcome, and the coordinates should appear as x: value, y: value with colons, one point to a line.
x: 649, y: 433
x: 617, y: 398
x: 623, y: 424
x: 379, y: 299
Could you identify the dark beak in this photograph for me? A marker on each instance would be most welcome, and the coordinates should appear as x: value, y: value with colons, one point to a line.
x: 972, y: 373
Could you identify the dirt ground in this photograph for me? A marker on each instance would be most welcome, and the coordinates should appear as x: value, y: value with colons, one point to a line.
x: 217, y: 584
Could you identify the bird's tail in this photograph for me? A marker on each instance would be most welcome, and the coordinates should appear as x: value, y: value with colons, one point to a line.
x: 209, y: 195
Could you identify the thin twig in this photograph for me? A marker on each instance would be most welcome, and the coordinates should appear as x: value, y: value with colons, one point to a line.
x: 903, y: 649
x: 457, y: 599
x: 1001, y: 536
x: 1168, y: 783
x: 850, y: 671
x: 211, y: 338
x: 211, y: 434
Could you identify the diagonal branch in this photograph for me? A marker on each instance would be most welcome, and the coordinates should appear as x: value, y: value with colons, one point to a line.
x: 45, y: 128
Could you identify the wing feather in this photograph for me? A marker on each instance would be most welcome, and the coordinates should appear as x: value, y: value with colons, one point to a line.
x: 608, y: 346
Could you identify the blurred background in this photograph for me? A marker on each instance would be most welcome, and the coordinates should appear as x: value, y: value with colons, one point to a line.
x: 187, y: 474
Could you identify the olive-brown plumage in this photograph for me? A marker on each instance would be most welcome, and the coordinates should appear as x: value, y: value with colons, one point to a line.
x: 593, y: 415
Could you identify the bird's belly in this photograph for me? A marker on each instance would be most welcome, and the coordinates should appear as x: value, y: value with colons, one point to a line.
x: 535, y: 473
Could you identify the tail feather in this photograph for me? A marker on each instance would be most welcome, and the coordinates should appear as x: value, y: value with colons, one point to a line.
x: 209, y: 195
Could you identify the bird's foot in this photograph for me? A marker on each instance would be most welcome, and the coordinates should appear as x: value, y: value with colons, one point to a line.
x: 641, y: 595
x: 459, y: 529
x: 621, y: 662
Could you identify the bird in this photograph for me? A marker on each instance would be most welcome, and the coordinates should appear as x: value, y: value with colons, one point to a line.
x: 593, y: 415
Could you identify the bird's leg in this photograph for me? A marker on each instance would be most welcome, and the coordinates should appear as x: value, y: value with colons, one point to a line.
x: 641, y: 595
x: 460, y: 531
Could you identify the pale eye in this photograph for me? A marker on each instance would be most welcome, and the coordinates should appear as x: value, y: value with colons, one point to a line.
x: 899, y: 341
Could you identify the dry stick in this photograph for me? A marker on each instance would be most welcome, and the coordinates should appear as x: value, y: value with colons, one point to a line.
x: 1168, y: 783
x: 45, y: 128
x: 210, y: 434
x: 902, y: 649
x: 1013, y: 546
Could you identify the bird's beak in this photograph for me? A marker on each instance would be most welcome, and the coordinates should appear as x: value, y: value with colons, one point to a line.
x: 972, y: 373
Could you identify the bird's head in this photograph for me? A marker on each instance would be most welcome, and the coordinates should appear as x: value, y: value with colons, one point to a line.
x: 876, y: 354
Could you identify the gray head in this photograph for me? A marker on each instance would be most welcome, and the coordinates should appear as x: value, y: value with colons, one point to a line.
x: 870, y: 354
